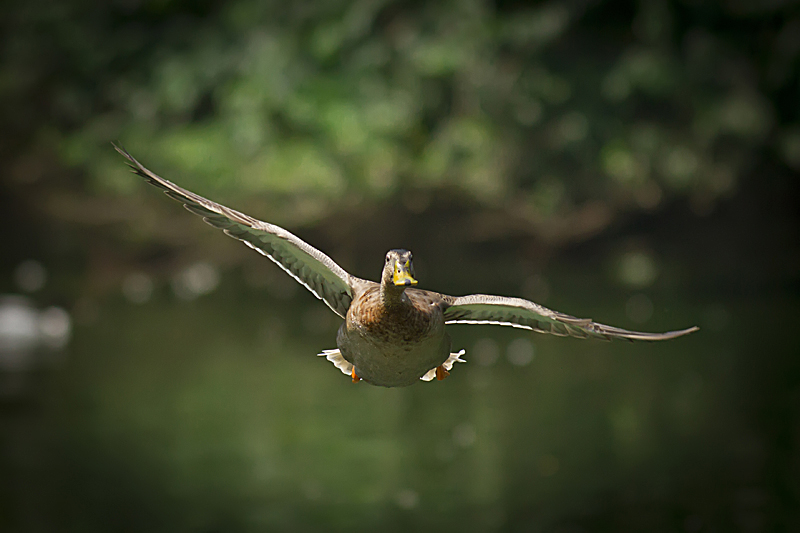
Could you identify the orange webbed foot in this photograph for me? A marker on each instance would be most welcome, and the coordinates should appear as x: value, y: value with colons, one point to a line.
x: 353, y: 375
x: 441, y: 373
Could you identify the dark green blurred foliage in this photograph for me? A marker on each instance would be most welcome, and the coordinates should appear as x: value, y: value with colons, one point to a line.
x: 562, y: 113
x: 634, y: 162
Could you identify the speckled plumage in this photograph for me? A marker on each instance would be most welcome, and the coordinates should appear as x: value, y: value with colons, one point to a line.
x: 393, y: 334
x: 393, y: 345
x: 405, y: 323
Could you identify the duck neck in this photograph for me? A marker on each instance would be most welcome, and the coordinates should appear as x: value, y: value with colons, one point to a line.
x: 393, y: 297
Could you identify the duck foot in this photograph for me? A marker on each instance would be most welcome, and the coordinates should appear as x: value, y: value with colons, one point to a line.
x: 442, y: 371
x: 353, y: 375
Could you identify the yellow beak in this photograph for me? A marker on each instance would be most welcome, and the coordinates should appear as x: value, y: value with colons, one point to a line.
x: 402, y: 274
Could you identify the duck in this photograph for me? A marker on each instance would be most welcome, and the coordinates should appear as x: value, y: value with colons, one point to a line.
x: 393, y: 333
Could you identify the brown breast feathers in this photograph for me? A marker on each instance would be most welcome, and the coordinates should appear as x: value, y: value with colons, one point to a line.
x: 403, y: 324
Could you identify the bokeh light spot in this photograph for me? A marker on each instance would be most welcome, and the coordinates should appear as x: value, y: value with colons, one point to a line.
x: 520, y: 352
x: 30, y: 275
x: 637, y: 269
x: 137, y: 287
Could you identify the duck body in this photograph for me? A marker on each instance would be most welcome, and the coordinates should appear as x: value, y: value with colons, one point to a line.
x: 393, y: 337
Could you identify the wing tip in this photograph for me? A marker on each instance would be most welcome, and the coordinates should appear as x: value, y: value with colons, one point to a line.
x: 664, y: 336
x: 686, y: 331
x: 135, y: 166
x: 122, y: 151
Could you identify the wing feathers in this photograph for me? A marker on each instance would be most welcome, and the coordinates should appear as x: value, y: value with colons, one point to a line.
x: 519, y: 313
x: 308, y: 266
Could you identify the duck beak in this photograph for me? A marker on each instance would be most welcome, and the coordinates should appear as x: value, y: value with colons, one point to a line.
x: 402, y: 274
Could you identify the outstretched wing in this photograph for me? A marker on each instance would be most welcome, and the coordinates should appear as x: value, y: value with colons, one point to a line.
x: 519, y: 313
x: 311, y: 268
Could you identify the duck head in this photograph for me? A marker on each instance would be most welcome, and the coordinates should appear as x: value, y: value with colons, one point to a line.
x: 398, y: 271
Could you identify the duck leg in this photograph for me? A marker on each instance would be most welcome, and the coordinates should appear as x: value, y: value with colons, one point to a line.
x: 353, y: 375
x: 443, y: 370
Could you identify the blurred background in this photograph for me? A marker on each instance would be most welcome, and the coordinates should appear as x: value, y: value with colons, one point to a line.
x: 632, y: 162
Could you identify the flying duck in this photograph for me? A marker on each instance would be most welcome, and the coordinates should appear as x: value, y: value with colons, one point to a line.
x: 393, y: 334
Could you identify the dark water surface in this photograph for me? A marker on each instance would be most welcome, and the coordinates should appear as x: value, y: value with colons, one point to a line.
x: 216, y: 415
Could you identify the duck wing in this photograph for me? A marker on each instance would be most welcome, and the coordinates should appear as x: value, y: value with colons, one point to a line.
x: 520, y: 313
x: 308, y: 266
